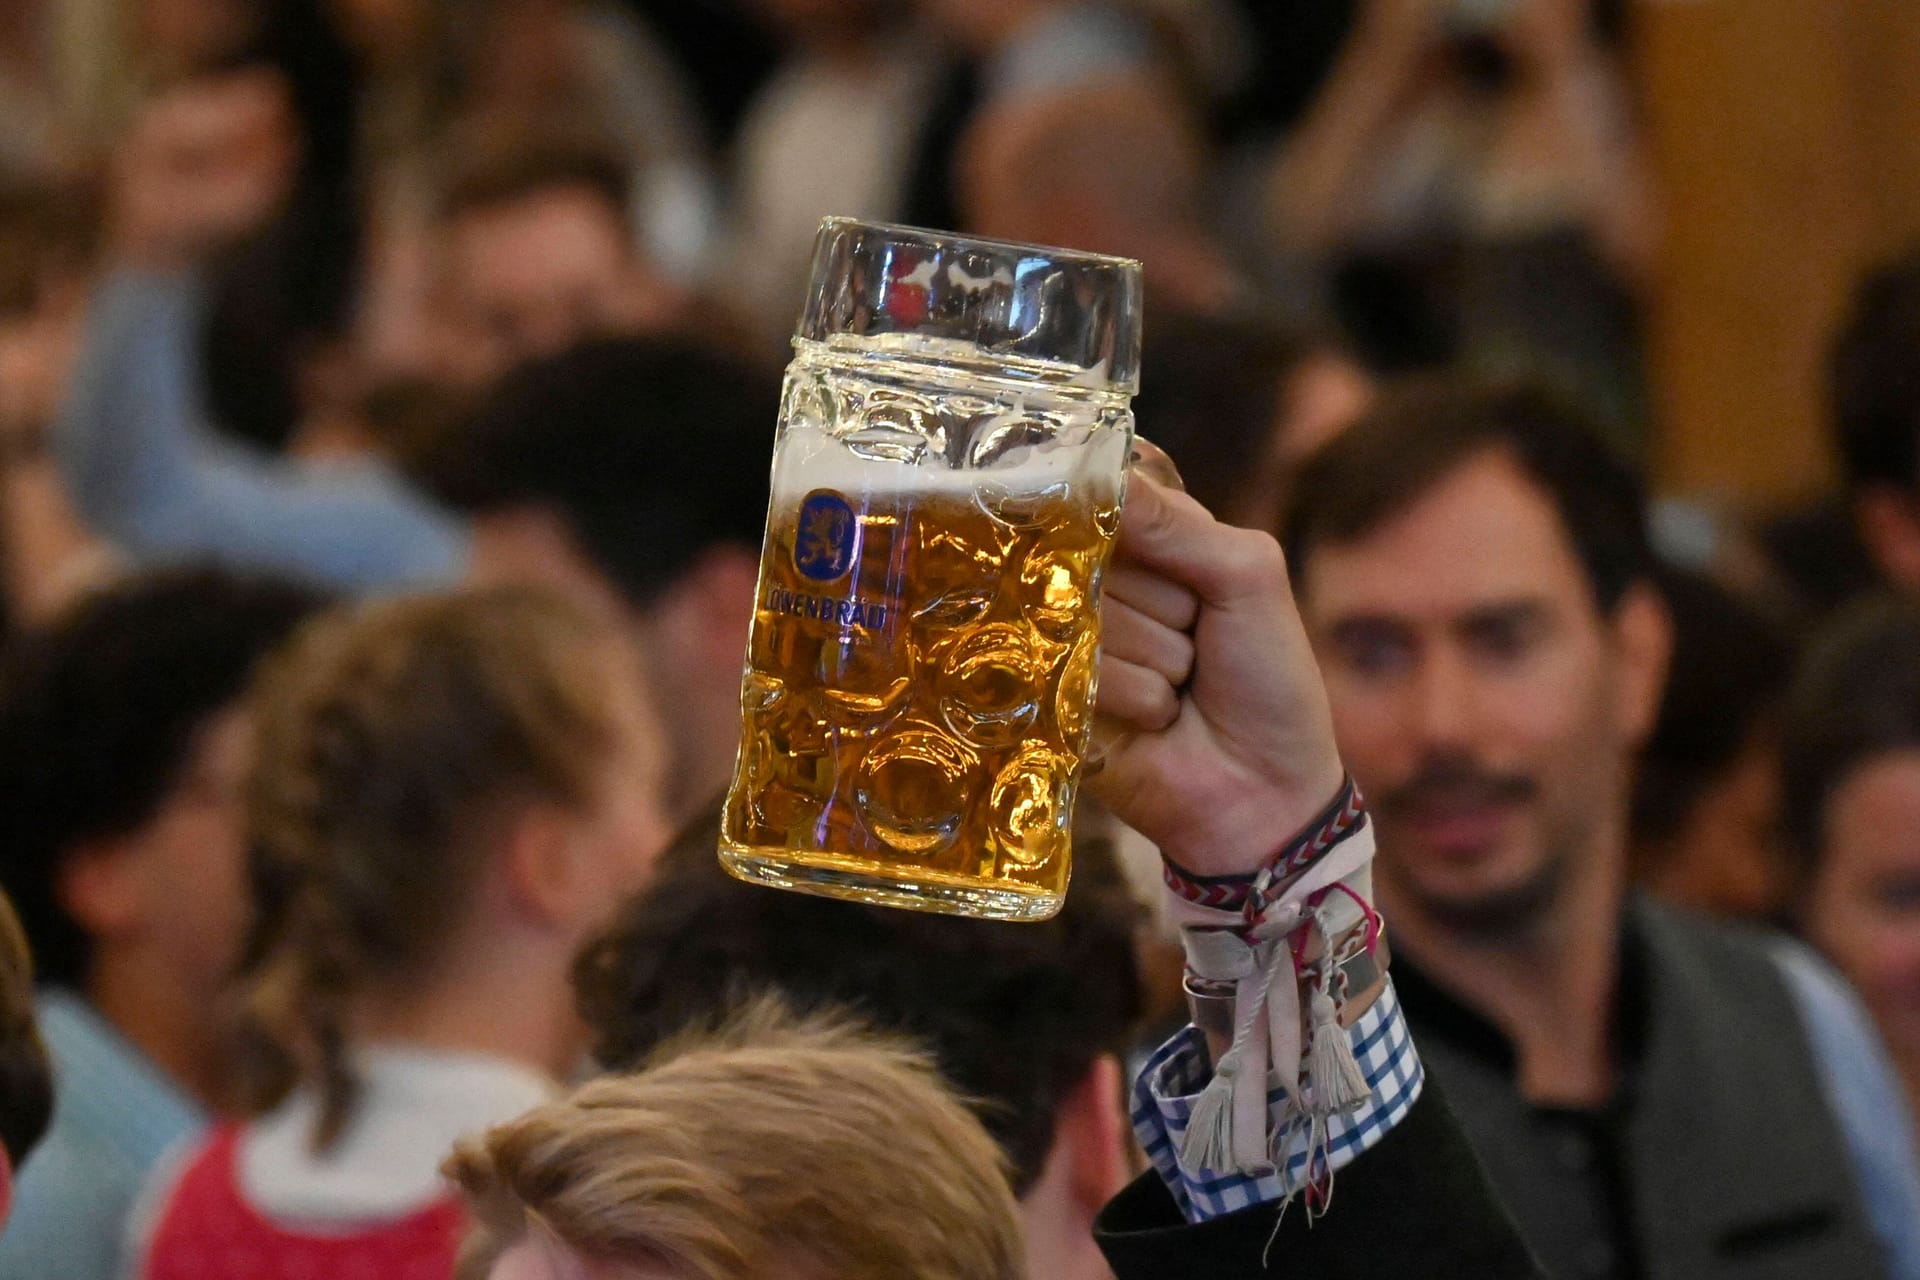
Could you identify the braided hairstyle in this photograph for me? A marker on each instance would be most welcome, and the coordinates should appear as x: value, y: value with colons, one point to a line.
x: 392, y: 741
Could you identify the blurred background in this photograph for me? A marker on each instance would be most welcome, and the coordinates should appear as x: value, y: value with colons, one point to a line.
x: 1664, y: 205
x: 386, y: 294
x: 251, y: 249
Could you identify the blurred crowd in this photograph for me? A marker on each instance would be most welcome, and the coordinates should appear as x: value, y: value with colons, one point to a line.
x: 386, y: 396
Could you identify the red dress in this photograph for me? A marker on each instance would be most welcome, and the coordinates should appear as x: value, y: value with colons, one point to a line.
x: 208, y: 1231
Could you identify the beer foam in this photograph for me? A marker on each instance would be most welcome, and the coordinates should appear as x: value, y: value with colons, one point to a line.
x: 809, y: 460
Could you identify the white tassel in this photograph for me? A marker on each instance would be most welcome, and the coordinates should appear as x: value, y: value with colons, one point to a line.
x: 1227, y: 1126
x: 1336, y: 1084
x: 1208, y: 1141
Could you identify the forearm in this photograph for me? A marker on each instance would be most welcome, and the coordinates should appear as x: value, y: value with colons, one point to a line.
x: 127, y: 428
x: 1312, y: 185
x: 1165, y: 1095
x: 1569, y: 125
x: 146, y: 469
x: 1417, y: 1204
x: 1412, y: 1198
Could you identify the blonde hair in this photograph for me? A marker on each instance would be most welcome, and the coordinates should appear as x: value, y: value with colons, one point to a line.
x: 818, y: 1145
x: 392, y: 739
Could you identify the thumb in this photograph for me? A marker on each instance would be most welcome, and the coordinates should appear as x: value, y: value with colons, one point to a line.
x: 1170, y: 534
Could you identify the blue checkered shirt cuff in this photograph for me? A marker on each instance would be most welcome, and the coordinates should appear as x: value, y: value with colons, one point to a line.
x: 1173, y: 1077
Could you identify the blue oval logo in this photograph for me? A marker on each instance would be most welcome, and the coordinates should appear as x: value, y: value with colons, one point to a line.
x: 824, y: 546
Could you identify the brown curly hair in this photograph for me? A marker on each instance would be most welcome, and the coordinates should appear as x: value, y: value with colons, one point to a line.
x: 392, y: 740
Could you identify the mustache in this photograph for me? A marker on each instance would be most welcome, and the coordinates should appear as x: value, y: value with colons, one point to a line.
x: 1456, y: 782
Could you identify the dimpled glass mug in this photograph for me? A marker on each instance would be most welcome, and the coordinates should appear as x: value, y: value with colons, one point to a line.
x: 947, y: 479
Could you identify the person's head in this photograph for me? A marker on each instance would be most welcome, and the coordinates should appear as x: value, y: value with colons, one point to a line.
x: 633, y: 472
x: 1473, y: 568
x: 280, y: 302
x: 180, y: 37
x: 825, y: 23
x: 1238, y: 403
x: 982, y: 26
x: 773, y: 1150
x: 1706, y: 798
x: 451, y: 792
x: 1115, y: 165
x: 388, y: 33
x: 48, y: 238
x: 1851, y: 783
x: 26, y: 1077
x: 47, y: 245
x: 123, y: 751
x: 1875, y: 370
x: 539, y: 248
x: 1029, y: 1021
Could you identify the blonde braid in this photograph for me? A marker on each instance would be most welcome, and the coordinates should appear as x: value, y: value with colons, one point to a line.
x: 390, y: 737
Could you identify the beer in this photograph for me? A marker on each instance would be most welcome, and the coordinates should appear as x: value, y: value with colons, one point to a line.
x: 917, y: 698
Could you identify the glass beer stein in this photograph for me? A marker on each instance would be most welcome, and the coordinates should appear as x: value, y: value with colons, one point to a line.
x: 947, y: 480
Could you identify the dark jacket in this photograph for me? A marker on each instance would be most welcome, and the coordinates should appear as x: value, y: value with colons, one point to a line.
x: 1719, y: 1158
x: 1416, y: 1205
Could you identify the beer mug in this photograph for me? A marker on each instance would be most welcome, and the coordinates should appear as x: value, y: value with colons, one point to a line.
x: 947, y: 478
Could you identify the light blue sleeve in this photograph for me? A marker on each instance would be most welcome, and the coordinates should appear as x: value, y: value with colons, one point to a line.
x: 72, y: 1196
x: 113, y: 1114
x: 1866, y: 1098
x: 145, y: 469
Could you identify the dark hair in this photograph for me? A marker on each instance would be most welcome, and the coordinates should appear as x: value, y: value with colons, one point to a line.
x: 1420, y: 434
x: 1015, y: 1014
x: 26, y: 1077
x: 98, y: 714
x: 1212, y: 391
x: 276, y: 302
x: 45, y: 228
x: 1728, y: 675
x: 303, y: 42
x: 653, y: 449
x: 290, y: 288
x: 500, y: 167
x: 1856, y: 699
x: 1875, y: 381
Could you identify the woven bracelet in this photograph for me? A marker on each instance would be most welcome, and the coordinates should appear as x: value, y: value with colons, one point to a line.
x: 1252, y: 893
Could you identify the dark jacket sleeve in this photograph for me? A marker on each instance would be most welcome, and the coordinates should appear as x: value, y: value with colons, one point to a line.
x: 1416, y: 1204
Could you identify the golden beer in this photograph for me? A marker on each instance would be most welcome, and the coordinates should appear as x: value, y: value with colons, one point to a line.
x: 917, y: 699
x: 931, y: 726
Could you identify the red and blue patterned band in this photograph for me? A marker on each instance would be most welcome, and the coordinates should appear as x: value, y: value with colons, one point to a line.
x: 1253, y: 893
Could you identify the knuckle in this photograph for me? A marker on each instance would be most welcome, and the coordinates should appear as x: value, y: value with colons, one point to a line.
x: 1256, y: 560
x: 1155, y: 527
x: 1182, y: 665
x: 1165, y: 707
x: 1154, y: 517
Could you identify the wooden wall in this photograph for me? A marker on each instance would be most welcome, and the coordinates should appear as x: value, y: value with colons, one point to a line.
x: 1786, y: 144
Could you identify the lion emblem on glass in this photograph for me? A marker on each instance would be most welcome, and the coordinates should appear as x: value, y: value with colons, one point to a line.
x: 824, y: 546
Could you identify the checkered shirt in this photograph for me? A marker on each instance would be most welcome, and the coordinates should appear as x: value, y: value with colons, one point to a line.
x: 1173, y: 1077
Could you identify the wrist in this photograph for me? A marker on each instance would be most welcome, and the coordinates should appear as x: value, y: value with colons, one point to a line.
x: 1255, y: 883
x: 1361, y: 977
x: 1279, y: 964
x: 1244, y: 825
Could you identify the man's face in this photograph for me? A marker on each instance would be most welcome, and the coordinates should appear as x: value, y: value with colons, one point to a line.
x: 1865, y: 906
x: 1484, y: 705
x: 533, y: 276
x: 175, y: 889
